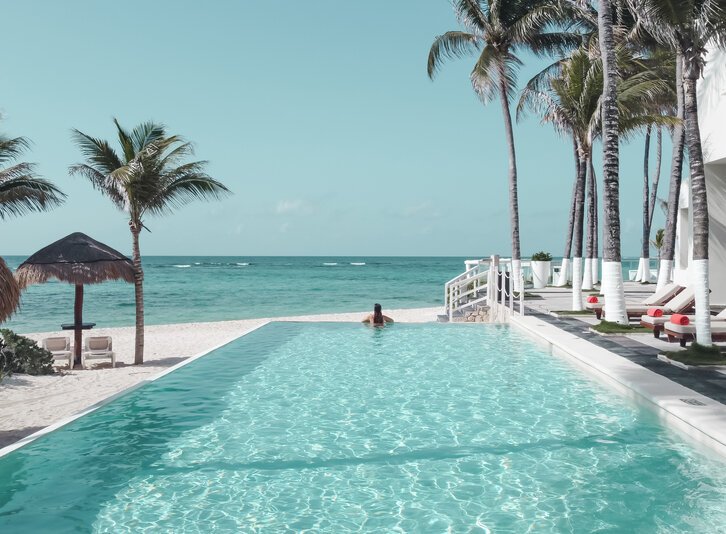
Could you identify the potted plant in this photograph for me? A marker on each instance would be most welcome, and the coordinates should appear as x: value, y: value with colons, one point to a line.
x: 541, y: 265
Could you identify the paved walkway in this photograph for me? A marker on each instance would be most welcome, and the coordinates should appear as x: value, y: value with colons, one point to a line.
x: 641, y: 349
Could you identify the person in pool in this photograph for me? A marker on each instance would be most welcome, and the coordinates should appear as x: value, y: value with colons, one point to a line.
x: 377, y: 318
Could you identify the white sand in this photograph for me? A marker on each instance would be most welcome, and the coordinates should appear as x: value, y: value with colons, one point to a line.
x: 29, y: 403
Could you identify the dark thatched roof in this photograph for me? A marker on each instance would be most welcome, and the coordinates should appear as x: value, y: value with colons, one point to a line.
x: 76, y: 259
x: 9, y: 292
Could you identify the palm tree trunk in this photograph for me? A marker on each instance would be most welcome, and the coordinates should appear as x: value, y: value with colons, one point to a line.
x: 643, y: 265
x: 665, y: 267
x: 595, y: 229
x: 656, y: 177
x: 577, y: 235
x: 513, y: 200
x: 699, y: 203
x: 139, y: 294
x: 587, y: 281
x: 562, y: 280
x: 612, y: 272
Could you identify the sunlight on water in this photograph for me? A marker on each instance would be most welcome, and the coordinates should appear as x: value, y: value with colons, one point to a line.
x: 340, y: 428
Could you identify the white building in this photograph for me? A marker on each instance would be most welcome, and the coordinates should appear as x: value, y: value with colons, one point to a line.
x: 712, y: 120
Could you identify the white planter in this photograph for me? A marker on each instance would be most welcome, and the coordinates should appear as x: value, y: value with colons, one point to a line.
x: 540, y: 273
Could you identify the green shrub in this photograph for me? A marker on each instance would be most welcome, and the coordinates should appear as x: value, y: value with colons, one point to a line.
x: 541, y: 256
x: 23, y: 355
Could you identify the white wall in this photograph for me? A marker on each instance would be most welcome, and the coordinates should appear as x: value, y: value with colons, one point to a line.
x: 712, y: 106
x: 712, y: 120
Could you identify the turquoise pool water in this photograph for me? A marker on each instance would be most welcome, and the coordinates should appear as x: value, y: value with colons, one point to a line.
x: 339, y: 427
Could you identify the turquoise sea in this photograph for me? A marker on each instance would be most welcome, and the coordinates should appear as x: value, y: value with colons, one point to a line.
x: 181, y: 289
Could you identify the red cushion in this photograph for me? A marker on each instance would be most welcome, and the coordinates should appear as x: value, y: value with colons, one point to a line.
x: 592, y: 299
x: 655, y: 312
x: 677, y: 318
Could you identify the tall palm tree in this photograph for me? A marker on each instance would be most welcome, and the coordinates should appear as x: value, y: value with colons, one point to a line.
x: 497, y: 31
x: 569, y: 96
x: 148, y: 177
x: 678, y: 135
x: 611, y: 270
x: 563, y: 277
x: 687, y: 26
x: 21, y: 191
x: 661, y: 62
x: 566, y: 95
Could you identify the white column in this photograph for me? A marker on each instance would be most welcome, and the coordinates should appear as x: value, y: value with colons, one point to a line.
x: 612, y: 278
x: 703, y: 306
x: 577, y: 284
x: 562, y: 278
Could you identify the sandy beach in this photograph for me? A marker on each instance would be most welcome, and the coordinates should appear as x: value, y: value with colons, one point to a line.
x: 30, y: 403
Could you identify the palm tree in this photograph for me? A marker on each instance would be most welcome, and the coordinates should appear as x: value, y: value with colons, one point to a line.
x: 569, y: 95
x: 148, y: 177
x: 612, y: 274
x: 667, y: 252
x: 687, y: 26
x: 566, y: 95
x: 496, y: 31
x: 662, y: 63
x: 21, y: 191
x: 565, y: 266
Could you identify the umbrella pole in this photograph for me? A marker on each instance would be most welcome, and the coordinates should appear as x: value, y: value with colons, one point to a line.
x: 78, y: 323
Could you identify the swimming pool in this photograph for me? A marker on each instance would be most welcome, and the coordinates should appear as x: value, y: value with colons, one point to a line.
x: 339, y: 427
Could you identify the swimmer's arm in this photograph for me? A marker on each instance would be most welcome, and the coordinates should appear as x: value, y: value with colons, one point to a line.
x: 387, y: 319
x: 366, y: 320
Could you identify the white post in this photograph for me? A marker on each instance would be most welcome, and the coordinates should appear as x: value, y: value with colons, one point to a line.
x: 451, y: 302
x: 521, y: 294
x: 504, y: 288
x: 511, y: 291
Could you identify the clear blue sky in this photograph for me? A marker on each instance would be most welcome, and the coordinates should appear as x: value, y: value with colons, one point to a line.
x: 318, y: 115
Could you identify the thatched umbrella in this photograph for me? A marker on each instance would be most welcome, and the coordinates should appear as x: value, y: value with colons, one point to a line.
x: 9, y: 292
x: 80, y: 260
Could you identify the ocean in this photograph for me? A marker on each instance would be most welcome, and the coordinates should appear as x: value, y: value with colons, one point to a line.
x: 182, y: 289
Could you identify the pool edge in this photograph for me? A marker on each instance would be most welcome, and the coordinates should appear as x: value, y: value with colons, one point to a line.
x: 705, y: 424
x: 85, y: 411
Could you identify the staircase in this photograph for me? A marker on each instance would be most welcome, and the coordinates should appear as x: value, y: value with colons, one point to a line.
x: 485, y: 283
x: 467, y: 293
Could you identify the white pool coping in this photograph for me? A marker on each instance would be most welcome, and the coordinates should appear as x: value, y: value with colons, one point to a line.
x: 705, y: 423
x: 58, y: 424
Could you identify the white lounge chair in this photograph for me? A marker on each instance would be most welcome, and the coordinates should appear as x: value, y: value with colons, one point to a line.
x: 98, y: 347
x: 60, y: 348
x: 659, y: 298
x: 685, y: 333
x: 658, y: 324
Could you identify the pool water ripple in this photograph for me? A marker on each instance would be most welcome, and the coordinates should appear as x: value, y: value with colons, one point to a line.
x: 411, y: 428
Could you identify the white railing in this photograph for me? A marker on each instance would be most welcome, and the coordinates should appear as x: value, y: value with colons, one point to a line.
x: 503, y: 289
x: 483, y: 283
x: 461, y: 292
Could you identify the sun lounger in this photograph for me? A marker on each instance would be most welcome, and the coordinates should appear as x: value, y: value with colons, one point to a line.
x: 659, y: 298
x: 657, y: 324
x: 60, y: 348
x: 685, y: 333
x: 98, y: 347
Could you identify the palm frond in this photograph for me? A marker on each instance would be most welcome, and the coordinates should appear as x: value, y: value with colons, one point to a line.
x: 146, y: 133
x: 472, y: 15
x: 450, y: 45
x: 183, y: 185
x: 11, y: 149
x: 126, y: 142
x: 97, y: 152
x: 21, y: 191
